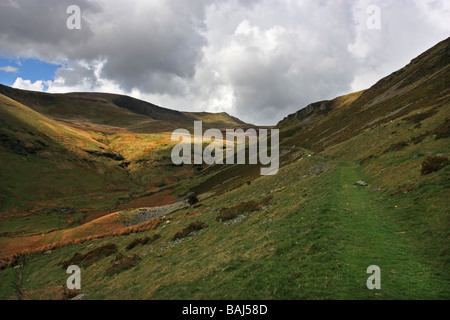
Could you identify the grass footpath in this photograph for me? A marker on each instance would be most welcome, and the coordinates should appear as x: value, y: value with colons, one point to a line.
x: 374, y: 237
x: 326, y: 231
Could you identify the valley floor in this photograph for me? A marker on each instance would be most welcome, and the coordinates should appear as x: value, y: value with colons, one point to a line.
x: 315, y: 240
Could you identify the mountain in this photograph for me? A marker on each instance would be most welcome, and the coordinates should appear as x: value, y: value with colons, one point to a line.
x: 363, y: 181
x: 67, y: 148
x: 422, y: 85
x: 112, y: 110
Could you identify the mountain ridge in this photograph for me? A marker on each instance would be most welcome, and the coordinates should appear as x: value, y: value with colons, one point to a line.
x: 440, y: 51
x: 108, y: 100
x: 388, y: 99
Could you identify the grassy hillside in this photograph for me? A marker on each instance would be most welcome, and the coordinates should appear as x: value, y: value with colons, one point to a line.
x: 421, y: 86
x: 89, y: 154
x: 364, y: 180
x: 107, y: 113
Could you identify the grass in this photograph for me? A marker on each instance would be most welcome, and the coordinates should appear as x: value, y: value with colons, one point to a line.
x: 150, y: 137
x: 302, y: 245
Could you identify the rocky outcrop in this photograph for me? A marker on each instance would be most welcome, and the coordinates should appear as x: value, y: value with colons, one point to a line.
x: 321, y: 107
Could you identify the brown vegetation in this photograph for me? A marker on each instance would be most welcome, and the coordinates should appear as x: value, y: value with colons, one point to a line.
x: 90, y: 257
x: 367, y: 159
x: 419, y: 139
x: 8, y: 260
x: 266, y: 200
x: 432, y: 164
x: 51, y: 293
x: 396, y: 147
x: 194, y: 226
x: 419, y: 117
x: 233, y: 212
x: 121, y: 262
x: 143, y: 241
x: 404, y: 190
x: 443, y: 131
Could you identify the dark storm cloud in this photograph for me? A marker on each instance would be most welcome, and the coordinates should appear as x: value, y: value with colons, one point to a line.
x: 147, y: 44
x: 38, y: 28
x: 144, y: 43
x: 259, y: 60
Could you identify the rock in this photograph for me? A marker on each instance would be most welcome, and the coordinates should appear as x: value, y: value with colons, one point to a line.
x: 317, y: 169
x: 146, y: 252
x: 267, y: 221
x: 48, y: 252
x: 146, y: 214
x: 238, y: 219
x: 361, y: 183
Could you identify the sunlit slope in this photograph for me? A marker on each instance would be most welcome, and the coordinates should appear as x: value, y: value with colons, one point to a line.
x: 422, y: 84
x: 123, y: 143
x: 42, y: 159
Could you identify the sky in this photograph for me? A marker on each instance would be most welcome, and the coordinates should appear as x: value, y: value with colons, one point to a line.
x: 258, y: 60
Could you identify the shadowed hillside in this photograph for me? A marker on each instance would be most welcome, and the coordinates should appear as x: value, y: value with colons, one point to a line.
x: 109, y: 112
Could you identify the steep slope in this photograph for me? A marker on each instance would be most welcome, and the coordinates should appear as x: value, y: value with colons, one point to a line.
x: 42, y: 159
x: 423, y: 85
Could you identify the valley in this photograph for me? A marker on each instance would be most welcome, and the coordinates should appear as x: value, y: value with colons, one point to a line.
x: 363, y: 180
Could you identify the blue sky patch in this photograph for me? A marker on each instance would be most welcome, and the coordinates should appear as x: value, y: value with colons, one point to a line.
x: 27, y: 69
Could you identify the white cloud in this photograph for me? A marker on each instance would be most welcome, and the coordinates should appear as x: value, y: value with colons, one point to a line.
x: 407, y: 30
x: 38, y: 85
x: 9, y: 69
